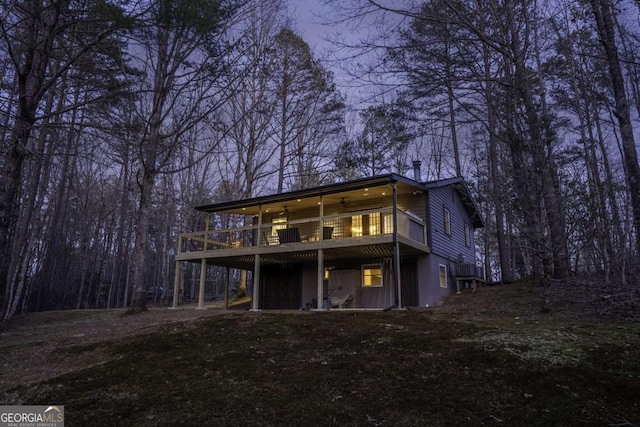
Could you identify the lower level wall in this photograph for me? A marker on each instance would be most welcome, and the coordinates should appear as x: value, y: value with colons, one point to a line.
x: 430, y: 292
x: 347, y: 281
x: 343, y: 283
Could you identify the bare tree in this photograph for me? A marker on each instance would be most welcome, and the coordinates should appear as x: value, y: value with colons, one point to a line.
x: 383, y: 142
x: 184, y: 50
x: 508, y: 31
x: 308, y: 109
x: 43, y: 41
x: 602, y: 11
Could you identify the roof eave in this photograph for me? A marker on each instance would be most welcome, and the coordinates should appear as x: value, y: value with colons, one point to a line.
x: 310, y: 192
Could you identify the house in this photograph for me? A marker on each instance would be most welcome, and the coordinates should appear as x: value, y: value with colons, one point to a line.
x: 373, y: 243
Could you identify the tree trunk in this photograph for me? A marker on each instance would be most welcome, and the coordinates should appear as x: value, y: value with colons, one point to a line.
x: 452, y: 114
x: 39, y: 26
x: 283, y: 125
x: 9, y: 209
x: 506, y: 270
x: 138, y: 300
x: 603, y: 16
x: 543, y: 162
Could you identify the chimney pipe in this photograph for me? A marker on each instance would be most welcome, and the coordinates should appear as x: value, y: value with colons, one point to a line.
x: 417, y: 175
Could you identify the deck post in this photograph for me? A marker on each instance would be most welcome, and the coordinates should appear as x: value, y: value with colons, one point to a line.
x: 320, y: 305
x: 396, y: 250
x: 176, y: 285
x: 226, y: 289
x: 321, y: 219
x: 203, y: 279
x: 206, y: 232
x: 256, y: 284
x: 259, y: 230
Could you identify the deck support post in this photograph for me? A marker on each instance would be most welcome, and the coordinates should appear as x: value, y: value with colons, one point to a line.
x: 176, y: 285
x: 259, y: 230
x: 226, y: 288
x: 206, y: 232
x: 396, y: 274
x: 320, y: 305
x: 396, y: 250
x: 256, y: 284
x: 203, y: 281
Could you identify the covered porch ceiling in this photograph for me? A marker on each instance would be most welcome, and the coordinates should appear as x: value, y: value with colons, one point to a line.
x: 374, y: 188
x: 247, y: 262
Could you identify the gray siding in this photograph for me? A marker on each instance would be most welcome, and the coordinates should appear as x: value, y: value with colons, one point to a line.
x: 430, y: 291
x: 424, y: 278
x: 449, y: 246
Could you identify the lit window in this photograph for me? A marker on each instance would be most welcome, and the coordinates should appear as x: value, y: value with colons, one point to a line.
x: 356, y: 226
x: 388, y: 223
x: 447, y: 222
x: 374, y: 224
x: 372, y: 276
x: 443, y: 275
x: 366, y: 225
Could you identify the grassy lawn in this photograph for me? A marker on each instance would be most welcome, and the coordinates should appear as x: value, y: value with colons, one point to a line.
x: 484, y: 358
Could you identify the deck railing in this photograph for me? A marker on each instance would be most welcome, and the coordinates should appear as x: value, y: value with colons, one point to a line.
x: 467, y: 270
x: 361, y: 224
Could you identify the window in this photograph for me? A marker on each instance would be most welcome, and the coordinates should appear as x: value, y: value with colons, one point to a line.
x: 467, y: 235
x: 372, y: 276
x: 356, y: 226
x: 366, y: 225
x: 443, y: 275
x: 388, y: 223
x: 374, y: 224
x: 447, y: 222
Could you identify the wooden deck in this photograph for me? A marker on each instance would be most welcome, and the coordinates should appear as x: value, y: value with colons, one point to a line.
x: 471, y: 274
x: 304, y: 235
